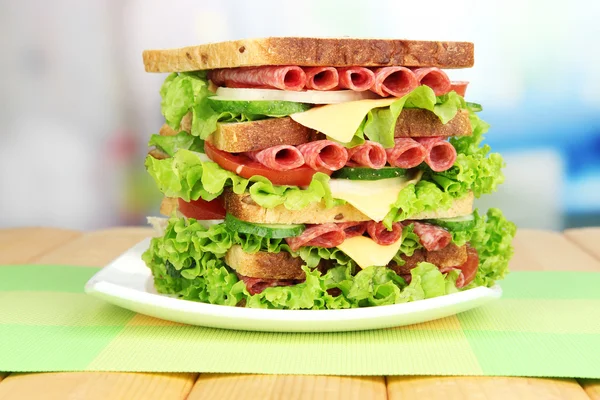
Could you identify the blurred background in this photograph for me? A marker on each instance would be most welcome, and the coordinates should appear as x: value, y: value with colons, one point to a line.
x: 77, y: 108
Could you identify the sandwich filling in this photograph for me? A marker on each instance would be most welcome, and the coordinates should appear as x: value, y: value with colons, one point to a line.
x: 331, y: 187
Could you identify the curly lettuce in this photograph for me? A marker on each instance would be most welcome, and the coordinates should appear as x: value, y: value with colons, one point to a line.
x: 189, y: 176
x: 172, y: 144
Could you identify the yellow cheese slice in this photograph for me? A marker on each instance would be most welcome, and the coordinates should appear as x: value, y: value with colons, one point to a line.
x: 372, y: 198
x: 339, y: 121
x: 366, y: 253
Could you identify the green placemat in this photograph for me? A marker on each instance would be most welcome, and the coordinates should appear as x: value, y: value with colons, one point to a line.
x: 546, y: 324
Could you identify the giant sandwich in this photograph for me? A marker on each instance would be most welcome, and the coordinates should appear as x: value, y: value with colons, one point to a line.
x: 305, y: 173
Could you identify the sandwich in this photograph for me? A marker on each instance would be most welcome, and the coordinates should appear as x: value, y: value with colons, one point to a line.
x: 310, y: 173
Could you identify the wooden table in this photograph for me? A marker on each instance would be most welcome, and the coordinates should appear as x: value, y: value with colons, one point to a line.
x: 535, y: 250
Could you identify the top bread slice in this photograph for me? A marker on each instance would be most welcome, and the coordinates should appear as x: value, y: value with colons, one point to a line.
x: 340, y: 52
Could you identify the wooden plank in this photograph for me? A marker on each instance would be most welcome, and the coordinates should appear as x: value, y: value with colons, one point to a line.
x: 95, y: 249
x: 545, y: 250
x: 534, y: 251
x: 586, y: 238
x: 96, y: 386
x: 489, y: 388
x: 21, y: 245
x: 591, y: 387
x: 240, y: 387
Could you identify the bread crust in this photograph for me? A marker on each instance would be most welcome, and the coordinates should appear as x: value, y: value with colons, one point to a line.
x: 304, y: 51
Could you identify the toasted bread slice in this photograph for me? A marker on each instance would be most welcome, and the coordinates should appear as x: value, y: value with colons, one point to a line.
x: 265, y: 265
x: 342, y: 52
x: 257, y: 135
x: 283, y: 265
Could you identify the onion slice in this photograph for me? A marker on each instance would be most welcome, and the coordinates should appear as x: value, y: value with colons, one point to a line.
x: 309, y: 96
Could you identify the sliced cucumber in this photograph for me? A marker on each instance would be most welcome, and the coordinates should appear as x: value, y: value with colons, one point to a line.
x: 270, y: 108
x: 462, y: 223
x: 369, y: 174
x: 272, y: 231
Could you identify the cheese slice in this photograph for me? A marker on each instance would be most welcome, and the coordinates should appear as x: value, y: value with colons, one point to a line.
x: 372, y: 198
x: 339, y: 121
x: 366, y: 253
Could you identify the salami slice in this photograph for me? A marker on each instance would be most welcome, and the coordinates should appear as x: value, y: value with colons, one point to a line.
x: 439, y: 154
x: 381, y: 235
x: 279, y: 158
x: 395, y: 81
x: 358, y: 79
x: 435, y: 78
x: 352, y: 229
x: 459, y: 87
x: 432, y: 237
x: 279, y: 77
x: 321, y: 78
x: 324, y: 154
x: 407, y: 153
x: 257, y: 285
x: 369, y: 154
x: 322, y: 235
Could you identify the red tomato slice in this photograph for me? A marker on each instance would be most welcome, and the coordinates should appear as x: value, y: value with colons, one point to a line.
x: 469, y: 267
x: 247, y: 168
x: 202, y: 210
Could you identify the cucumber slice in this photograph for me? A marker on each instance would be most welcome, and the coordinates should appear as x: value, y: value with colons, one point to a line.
x: 462, y: 223
x: 270, y: 108
x: 271, y: 231
x: 369, y: 174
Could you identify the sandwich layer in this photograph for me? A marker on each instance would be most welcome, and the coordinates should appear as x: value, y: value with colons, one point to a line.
x: 282, y: 265
x: 244, y: 208
x: 238, y: 137
x: 311, y: 52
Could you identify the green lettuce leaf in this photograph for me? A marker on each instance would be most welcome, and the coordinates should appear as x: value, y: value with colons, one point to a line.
x: 179, y: 93
x: 494, y: 245
x: 189, y: 176
x: 380, y: 123
x: 171, y: 144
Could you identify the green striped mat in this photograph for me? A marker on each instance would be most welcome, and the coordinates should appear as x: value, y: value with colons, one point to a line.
x: 546, y: 324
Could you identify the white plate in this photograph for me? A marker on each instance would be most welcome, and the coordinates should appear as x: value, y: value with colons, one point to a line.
x: 127, y: 282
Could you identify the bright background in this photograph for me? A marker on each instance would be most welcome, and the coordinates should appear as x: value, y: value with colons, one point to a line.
x: 77, y: 107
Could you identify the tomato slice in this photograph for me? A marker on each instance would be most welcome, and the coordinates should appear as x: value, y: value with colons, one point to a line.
x: 202, y: 210
x: 247, y: 168
x: 469, y: 267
